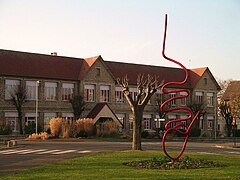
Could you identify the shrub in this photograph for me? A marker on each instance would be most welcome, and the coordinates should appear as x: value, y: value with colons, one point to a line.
x: 68, y: 128
x: 107, y: 128
x: 56, y: 126
x: 31, y: 128
x: 5, y: 129
x: 42, y: 135
x: 84, y: 127
x: 195, y: 132
x: 144, y: 134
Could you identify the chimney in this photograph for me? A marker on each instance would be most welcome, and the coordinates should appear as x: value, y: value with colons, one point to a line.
x: 54, y: 54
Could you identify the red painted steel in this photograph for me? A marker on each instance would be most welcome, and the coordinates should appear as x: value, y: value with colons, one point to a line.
x: 179, y: 124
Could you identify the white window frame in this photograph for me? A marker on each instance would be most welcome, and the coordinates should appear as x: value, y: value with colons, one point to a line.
x: 31, y: 90
x: 68, y: 115
x: 47, y: 118
x: 12, y: 120
x: 210, y: 121
x: 199, y: 97
x: 10, y: 86
x: 105, y: 93
x: 147, y: 122
x: 183, y: 101
x: 210, y: 99
x: 30, y: 117
x: 173, y: 102
x: 89, y: 92
x: 172, y: 117
x: 50, y: 91
x: 67, y: 91
x: 133, y: 92
x: 119, y: 96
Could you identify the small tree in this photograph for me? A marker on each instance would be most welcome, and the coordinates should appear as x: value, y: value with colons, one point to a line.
x: 196, y: 107
x: 146, y: 88
x: 18, y: 98
x: 225, y: 111
x: 77, y: 105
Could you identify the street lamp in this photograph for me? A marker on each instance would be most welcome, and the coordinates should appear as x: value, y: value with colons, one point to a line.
x: 37, y: 83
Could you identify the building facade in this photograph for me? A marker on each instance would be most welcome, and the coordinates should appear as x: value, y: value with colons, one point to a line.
x: 53, y: 80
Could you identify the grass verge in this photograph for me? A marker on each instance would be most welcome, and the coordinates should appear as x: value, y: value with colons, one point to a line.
x: 109, y: 165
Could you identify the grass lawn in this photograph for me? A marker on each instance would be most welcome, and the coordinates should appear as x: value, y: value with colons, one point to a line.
x: 108, y: 165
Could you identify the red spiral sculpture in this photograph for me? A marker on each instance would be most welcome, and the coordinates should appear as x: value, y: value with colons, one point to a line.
x: 178, y: 122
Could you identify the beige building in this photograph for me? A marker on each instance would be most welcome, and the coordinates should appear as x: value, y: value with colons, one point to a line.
x: 60, y: 78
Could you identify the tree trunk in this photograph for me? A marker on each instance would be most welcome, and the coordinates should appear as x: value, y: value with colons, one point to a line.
x: 137, y: 130
x: 20, y: 122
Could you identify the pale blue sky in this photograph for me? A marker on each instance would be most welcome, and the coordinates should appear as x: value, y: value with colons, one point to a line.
x: 200, y: 33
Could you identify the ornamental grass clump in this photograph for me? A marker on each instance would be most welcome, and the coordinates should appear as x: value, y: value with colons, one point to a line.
x: 56, y: 126
x: 36, y: 136
x: 107, y: 128
x: 85, y: 127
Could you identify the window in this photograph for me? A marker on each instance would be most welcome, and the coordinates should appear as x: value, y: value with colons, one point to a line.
x: 121, y: 118
x: 31, y: 90
x: 199, y: 97
x: 209, y: 99
x: 67, y: 91
x: 173, y: 102
x: 133, y: 93
x: 210, y: 122
x: 119, y: 97
x: 50, y: 91
x: 11, y: 119
x: 131, y: 121
x: 47, y: 118
x: 183, y: 122
x: 10, y: 87
x: 183, y: 101
x: 30, y: 118
x: 89, y: 93
x: 146, y: 122
x: 159, y: 97
x: 172, y: 117
x: 205, y: 81
x: 68, y: 116
x: 104, y: 93
x: 98, y: 70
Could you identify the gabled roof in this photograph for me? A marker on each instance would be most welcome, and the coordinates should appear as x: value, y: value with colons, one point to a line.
x: 167, y: 74
x: 26, y: 64
x: 39, y: 65
x: 97, y: 112
x: 233, y: 89
x: 87, y: 63
x: 196, y: 74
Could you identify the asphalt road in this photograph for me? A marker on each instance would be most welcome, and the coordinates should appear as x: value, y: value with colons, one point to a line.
x: 35, y: 153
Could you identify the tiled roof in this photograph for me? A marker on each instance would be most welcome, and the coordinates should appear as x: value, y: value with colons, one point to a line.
x: 167, y: 74
x: 95, y: 111
x: 58, y: 67
x: 233, y: 89
x: 39, y: 65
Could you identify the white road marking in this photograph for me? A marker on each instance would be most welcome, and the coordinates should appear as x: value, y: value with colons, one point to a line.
x: 64, y: 152
x: 48, y: 152
x: 82, y: 152
x: 16, y: 151
x: 33, y: 151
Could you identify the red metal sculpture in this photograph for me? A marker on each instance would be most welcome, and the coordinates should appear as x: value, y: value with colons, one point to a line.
x: 179, y: 124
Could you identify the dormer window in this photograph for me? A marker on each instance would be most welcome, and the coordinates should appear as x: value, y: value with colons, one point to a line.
x: 98, y: 72
x: 205, y: 81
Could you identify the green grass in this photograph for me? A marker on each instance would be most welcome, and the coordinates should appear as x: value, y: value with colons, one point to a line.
x: 109, y: 166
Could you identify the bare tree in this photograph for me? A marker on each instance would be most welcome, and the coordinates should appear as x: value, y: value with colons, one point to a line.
x: 146, y: 87
x: 235, y: 105
x: 196, y: 107
x: 225, y: 111
x: 19, y: 97
x: 77, y: 105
